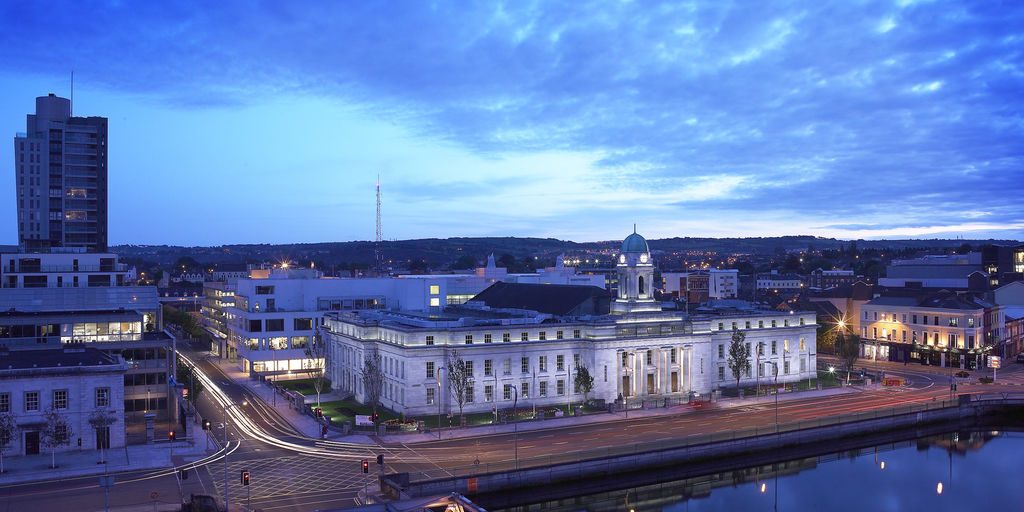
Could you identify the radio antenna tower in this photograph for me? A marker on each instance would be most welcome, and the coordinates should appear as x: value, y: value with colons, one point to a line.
x: 377, y: 256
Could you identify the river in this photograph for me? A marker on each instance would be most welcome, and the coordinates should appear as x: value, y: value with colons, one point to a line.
x: 957, y: 471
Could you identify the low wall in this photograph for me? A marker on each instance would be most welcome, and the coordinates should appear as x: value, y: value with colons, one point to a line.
x: 965, y: 413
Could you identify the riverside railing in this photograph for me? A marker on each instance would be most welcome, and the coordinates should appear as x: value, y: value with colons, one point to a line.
x: 696, y: 441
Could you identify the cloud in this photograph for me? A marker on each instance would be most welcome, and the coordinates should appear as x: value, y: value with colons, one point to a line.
x: 905, y: 116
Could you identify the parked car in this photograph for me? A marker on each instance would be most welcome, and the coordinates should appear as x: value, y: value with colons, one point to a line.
x: 1020, y: 358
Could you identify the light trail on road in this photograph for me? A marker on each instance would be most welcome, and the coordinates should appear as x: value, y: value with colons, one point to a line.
x: 248, y: 427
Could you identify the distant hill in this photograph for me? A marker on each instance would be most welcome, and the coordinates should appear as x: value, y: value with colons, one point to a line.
x: 440, y: 251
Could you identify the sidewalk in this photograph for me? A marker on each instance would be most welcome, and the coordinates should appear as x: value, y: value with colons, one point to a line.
x: 302, y: 423
x: 598, y: 418
x: 79, y: 463
x: 311, y: 428
x: 896, y: 367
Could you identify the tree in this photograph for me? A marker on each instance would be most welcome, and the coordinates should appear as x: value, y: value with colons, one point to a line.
x: 186, y: 321
x: 848, y: 350
x: 508, y: 261
x: 8, y: 431
x: 792, y: 264
x: 739, y: 355
x: 186, y: 262
x: 827, y: 335
x: 315, y: 363
x: 584, y: 381
x: 459, y: 379
x: 56, y: 433
x: 99, y: 420
x: 464, y: 262
x: 419, y: 266
x: 373, y: 379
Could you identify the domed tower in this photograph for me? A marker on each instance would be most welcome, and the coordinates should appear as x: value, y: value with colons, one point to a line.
x: 636, y: 277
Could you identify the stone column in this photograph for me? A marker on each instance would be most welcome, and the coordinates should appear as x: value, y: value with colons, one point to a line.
x: 636, y: 372
x: 687, y: 367
x: 667, y: 353
x: 618, y: 374
x: 656, y: 361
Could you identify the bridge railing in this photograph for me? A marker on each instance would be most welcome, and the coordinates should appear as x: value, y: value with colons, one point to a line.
x: 472, y: 465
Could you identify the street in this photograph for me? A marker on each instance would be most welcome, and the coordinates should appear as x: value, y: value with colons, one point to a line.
x: 290, y: 472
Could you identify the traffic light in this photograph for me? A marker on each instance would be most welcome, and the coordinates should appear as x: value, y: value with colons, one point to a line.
x: 319, y: 412
x: 183, y: 473
x: 373, y: 417
x: 380, y: 459
x: 206, y: 424
x: 170, y: 436
x: 245, y: 477
x: 366, y: 466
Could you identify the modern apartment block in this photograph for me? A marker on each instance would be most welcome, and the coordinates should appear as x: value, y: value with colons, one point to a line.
x: 265, y: 321
x: 44, y: 309
x: 60, y: 164
x: 63, y: 270
x: 271, y: 318
x: 1003, y: 264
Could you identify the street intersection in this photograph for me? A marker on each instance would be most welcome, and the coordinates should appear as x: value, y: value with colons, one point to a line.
x: 291, y: 472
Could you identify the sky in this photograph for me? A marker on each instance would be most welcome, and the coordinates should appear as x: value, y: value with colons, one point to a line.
x: 239, y: 122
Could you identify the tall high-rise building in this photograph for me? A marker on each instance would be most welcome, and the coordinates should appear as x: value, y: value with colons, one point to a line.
x: 60, y: 166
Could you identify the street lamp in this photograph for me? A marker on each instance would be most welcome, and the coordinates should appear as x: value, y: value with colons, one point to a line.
x: 534, y: 401
x: 226, y: 502
x: 775, y: 366
x: 757, y: 363
x: 494, y: 397
x: 439, y: 370
x: 515, y: 425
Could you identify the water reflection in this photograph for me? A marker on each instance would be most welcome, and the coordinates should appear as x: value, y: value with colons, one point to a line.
x: 957, y: 471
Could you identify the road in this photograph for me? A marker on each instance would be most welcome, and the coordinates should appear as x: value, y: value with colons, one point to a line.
x: 292, y: 473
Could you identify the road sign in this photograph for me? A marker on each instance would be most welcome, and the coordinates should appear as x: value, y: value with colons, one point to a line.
x: 154, y: 495
x: 107, y: 481
x: 995, y: 362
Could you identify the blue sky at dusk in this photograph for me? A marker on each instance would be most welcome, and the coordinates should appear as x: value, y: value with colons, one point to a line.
x: 237, y: 123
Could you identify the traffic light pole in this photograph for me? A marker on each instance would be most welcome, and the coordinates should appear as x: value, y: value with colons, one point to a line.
x: 226, y: 503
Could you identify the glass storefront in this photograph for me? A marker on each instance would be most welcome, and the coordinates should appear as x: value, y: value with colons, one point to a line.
x: 88, y: 332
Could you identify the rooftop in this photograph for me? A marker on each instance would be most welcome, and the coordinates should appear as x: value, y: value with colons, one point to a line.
x: 542, y: 298
x: 56, y: 358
